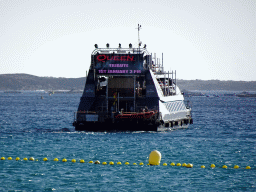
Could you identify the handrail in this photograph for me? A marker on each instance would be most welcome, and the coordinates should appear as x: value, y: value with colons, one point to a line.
x: 158, y: 88
x: 120, y: 50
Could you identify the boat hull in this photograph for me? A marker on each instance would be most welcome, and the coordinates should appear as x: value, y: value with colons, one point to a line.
x: 132, y: 124
x: 115, y: 127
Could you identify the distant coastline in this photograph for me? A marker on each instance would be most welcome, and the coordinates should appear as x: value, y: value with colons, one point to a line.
x: 21, y: 82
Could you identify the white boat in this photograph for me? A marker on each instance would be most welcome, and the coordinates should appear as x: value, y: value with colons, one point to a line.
x: 127, y: 89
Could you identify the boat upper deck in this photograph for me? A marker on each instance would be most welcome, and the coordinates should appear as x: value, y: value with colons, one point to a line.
x: 120, y: 51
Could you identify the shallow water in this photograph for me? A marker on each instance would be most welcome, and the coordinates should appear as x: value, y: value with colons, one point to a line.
x: 224, y: 132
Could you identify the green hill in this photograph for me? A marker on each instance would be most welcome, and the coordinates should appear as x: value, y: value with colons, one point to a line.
x: 31, y: 82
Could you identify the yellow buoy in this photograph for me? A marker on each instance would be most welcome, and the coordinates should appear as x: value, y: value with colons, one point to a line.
x: 178, y: 164
x: 17, y: 159
x: 73, y: 160
x: 25, y: 159
x: 189, y: 165
x: 2, y: 158
x: 184, y: 165
x: 90, y: 161
x: 141, y: 163
x: 202, y: 166
x: 236, y: 167
x: 55, y: 159
x: 104, y: 163
x: 224, y: 166
x: 165, y: 164
x: 172, y: 164
x: 134, y: 163
x: 9, y: 158
x: 111, y: 163
x: 126, y: 163
x: 45, y: 159
x: 247, y: 167
x: 154, y: 158
x: 212, y: 166
x: 119, y: 163
x: 64, y: 160
x: 82, y: 161
x: 31, y: 159
x: 97, y: 162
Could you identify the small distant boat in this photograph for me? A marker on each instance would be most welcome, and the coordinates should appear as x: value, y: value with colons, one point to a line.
x: 246, y: 94
x: 193, y: 94
x: 229, y: 94
x: 42, y: 97
x: 12, y: 91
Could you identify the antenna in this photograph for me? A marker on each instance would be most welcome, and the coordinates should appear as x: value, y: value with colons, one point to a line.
x: 139, y: 27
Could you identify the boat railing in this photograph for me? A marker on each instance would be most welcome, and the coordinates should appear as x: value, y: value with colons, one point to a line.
x: 167, y: 82
x: 157, y: 85
x: 120, y: 51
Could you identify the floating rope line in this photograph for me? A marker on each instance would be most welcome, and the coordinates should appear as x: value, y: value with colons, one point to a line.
x: 189, y: 165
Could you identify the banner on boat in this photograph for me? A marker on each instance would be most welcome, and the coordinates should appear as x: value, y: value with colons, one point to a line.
x: 115, y: 64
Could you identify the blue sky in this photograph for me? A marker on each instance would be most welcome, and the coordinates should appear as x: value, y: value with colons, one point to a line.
x: 201, y: 39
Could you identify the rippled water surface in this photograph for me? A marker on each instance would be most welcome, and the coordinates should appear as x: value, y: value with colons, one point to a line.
x: 224, y: 132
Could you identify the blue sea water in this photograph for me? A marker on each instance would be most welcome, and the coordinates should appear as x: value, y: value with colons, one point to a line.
x: 224, y: 132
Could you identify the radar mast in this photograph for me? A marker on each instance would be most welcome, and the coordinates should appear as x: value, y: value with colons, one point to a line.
x: 139, y: 42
